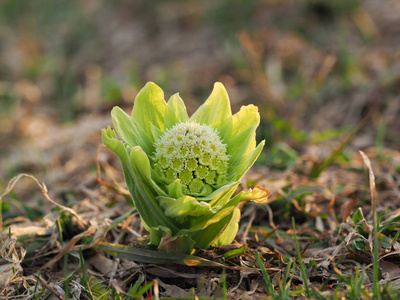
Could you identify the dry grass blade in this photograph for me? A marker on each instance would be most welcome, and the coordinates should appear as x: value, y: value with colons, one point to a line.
x: 10, y: 263
x: 156, y: 289
x: 115, y: 185
x: 44, y: 191
x: 252, y: 213
x: 47, y: 286
x: 71, y: 244
x: 375, y: 224
x: 371, y: 178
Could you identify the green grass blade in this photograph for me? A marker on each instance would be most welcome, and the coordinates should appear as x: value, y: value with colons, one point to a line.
x: 121, y: 218
x: 269, y: 288
x: 84, y: 279
x: 134, y: 288
x: 224, y: 291
x: 143, y: 290
x: 301, y: 263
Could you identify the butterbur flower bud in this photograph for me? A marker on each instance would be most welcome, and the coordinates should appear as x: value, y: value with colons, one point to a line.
x: 181, y: 171
x: 203, y: 153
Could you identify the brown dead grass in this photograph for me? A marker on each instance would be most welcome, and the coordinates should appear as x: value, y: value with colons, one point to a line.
x: 323, y: 217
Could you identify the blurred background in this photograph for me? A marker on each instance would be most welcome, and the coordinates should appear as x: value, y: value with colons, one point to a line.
x: 319, y: 71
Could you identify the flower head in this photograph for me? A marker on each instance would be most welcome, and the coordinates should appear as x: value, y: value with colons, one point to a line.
x: 193, y: 153
x: 181, y: 171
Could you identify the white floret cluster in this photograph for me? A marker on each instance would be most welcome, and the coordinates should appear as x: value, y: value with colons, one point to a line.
x: 193, y: 153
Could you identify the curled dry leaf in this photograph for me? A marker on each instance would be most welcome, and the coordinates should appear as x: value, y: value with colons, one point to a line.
x: 10, y: 263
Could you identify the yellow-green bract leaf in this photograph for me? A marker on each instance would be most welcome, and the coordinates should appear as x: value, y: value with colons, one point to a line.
x: 240, y: 145
x: 214, y: 229
x: 183, y: 206
x: 155, y: 132
x: 239, y: 134
x: 236, y: 172
x: 247, y: 117
x: 110, y: 140
x: 215, y: 110
x: 144, y: 191
x: 149, y: 108
x: 157, y: 233
x: 130, y: 131
x: 174, y: 189
x: 224, y: 191
x: 174, y: 244
x: 207, y: 229
x: 256, y: 195
x: 229, y: 233
x: 137, y: 172
x: 175, y: 112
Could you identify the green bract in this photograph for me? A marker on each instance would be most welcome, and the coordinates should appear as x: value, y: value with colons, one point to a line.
x: 181, y: 171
